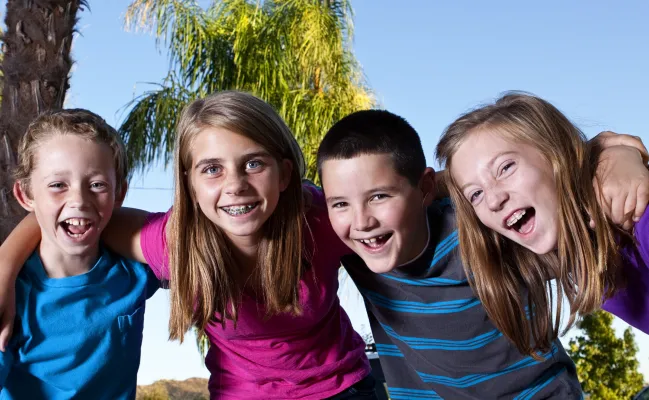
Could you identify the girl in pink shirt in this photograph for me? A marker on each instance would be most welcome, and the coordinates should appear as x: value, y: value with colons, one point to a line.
x: 250, y: 258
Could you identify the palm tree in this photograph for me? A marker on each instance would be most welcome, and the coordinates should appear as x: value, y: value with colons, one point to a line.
x: 36, y: 65
x: 295, y: 54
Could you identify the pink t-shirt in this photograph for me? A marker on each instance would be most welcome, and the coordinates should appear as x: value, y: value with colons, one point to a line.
x: 312, y: 356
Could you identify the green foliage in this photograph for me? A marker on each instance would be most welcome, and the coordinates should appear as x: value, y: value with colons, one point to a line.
x: 606, y: 365
x: 295, y: 54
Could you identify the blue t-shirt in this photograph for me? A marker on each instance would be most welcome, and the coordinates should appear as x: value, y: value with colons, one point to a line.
x: 77, y: 337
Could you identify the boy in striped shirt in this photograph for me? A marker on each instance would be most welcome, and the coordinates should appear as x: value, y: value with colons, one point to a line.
x: 434, y: 338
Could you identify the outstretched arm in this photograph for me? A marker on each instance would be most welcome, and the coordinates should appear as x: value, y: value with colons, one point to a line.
x: 123, y: 232
x: 14, y: 252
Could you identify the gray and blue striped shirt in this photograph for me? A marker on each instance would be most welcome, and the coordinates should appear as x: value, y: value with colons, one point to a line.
x: 434, y: 338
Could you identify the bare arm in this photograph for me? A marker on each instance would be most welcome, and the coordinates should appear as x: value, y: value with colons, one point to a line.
x: 122, y: 234
x: 14, y: 252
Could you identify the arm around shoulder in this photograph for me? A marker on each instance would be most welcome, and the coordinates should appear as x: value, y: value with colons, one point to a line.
x: 123, y: 232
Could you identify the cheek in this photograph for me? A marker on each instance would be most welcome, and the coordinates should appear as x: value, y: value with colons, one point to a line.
x: 487, y: 218
x: 339, y: 224
x: 206, y: 191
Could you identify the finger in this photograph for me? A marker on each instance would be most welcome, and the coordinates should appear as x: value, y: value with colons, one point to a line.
x: 5, y: 331
x: 617, y: 210
x: 629, y: 209
x: 642, y: 199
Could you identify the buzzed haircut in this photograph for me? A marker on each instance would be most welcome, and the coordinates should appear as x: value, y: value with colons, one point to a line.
x: 372, y: 132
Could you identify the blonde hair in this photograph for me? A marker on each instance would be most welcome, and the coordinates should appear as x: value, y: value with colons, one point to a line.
x: 503, y: 273
x: 78, y: 122
x: 203, y: 283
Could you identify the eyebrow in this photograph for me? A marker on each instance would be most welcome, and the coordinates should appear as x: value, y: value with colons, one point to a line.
x: 209, y: 161
x: 373, y: 190
x: 63, y: 174
x: 489, y: 165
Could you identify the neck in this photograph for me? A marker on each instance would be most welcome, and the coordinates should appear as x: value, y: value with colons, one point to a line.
x: 421, y: 239
x: 245, y: 253
x: 58, y: 264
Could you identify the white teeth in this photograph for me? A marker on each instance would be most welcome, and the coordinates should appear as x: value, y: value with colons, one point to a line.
x: 239, y: 210
x: 77, y: 221
x: 515, y: 217
x: 371, y: 240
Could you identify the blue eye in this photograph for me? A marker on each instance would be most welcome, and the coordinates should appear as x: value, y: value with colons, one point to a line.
x: 212, y: 170
x: 98, y: 185
x: 253, y: 164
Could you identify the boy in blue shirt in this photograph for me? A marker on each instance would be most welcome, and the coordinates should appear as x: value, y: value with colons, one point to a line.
x: 434, y: 338
x: 79, y: 307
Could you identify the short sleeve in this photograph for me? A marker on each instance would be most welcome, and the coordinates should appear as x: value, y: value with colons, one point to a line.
x: 631, y: 301
x: 154, y: 244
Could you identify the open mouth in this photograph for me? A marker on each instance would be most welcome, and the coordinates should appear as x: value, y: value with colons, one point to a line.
x: 241, y: 209
x: 522, y: 221
x: 76, y: 227
x: 376, y: 242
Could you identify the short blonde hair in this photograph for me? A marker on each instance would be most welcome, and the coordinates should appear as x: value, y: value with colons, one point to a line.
x: 78, y: 122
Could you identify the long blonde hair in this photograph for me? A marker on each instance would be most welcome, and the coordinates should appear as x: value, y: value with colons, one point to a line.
x: 204, y: 285
x: 508, y: 277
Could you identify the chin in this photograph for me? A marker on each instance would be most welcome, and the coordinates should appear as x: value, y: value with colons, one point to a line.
x: 379, y: 267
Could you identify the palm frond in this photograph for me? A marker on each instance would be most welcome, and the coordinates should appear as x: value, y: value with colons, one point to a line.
x: 149, y: 129
x: 294, y: 54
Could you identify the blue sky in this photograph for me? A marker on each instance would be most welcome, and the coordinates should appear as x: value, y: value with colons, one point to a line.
x: 427, y: 61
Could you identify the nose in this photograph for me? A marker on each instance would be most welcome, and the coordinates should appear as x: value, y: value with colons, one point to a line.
x: 363, y: 220
x: 496, y: 199
x: 78, y: 197
x: 236, y: 183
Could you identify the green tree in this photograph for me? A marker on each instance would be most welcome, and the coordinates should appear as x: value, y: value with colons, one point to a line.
x: 295, y: 54
x: 36, y: 64
x: 606, y: 365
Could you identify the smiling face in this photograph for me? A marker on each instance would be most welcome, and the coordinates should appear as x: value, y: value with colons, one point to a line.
x: 378, y: 213
x: 511, y: 188
x: 236, y: 182
x: 72, y: 191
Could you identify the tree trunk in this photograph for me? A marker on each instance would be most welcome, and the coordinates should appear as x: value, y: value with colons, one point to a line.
x: 36, y: 66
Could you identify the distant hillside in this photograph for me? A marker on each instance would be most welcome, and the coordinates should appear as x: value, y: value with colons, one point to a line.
x: 190, y: 389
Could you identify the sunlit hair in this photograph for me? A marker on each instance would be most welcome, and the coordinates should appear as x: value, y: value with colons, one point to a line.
x: 204, y: 285
x: 512, y: 282
x: 78, y: 122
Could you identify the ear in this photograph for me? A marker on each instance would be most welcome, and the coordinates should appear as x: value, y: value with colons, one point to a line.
x: 286, y: 169
x: 23, y: 197
x: 121, y: 194
x: 427, y: 186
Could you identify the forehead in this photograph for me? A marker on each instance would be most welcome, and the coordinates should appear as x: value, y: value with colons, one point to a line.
x: 360, y: 173
x: 217, y: 142
x: 479, y: 148
x: 72, y: 156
